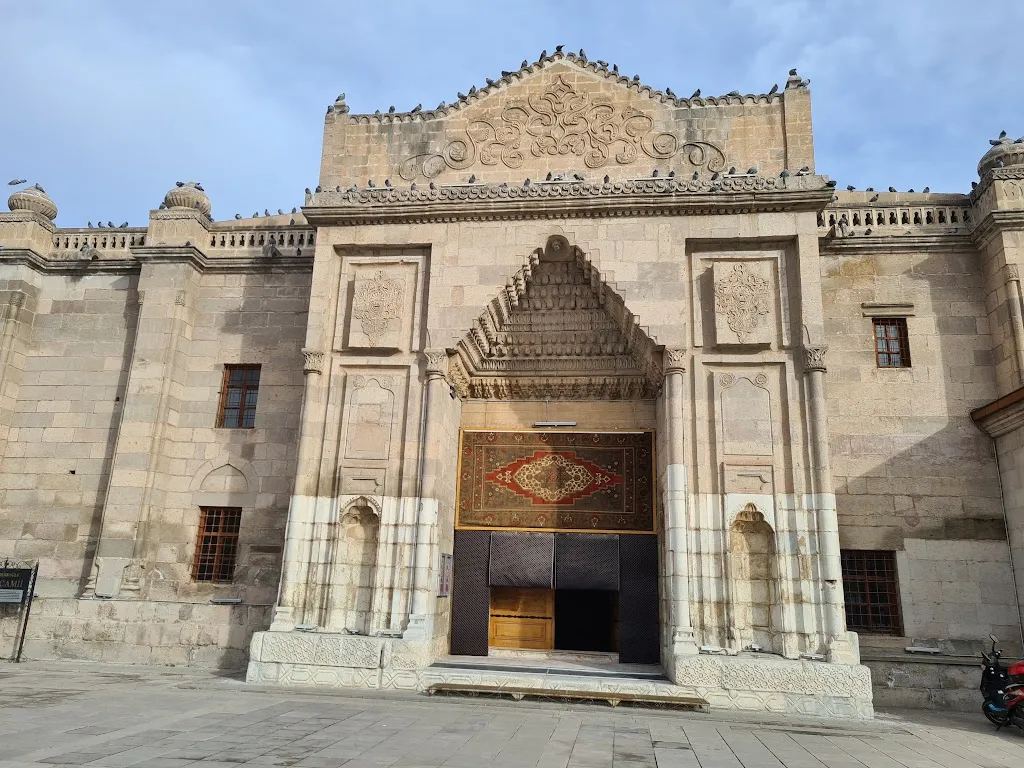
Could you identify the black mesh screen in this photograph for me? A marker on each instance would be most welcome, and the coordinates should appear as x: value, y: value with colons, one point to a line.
x: 638, y: 600
x: 471, y: 598
x: 586, y: 561
x: 521, y: 559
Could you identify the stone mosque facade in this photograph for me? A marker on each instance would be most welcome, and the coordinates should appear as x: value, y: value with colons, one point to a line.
x: 569, y: 371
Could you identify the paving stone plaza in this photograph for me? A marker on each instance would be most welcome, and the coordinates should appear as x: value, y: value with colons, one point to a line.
x: 115, y: 716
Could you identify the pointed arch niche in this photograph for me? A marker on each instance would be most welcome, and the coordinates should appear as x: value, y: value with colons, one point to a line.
x: 754, y: 579
x: 354, y: 567
x: 556, y: 331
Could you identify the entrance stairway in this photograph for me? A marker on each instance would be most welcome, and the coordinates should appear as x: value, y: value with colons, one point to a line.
x: 549, y: 676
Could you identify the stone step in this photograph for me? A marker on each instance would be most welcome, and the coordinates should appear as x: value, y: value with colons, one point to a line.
x: 519, y: 685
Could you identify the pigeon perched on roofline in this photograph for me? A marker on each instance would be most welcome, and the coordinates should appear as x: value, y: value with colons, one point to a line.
x: 785, y: 173
x: 873, y: 198
x: 238, y: 215
x: 869, y: 189
x: 89, y: 224
x: 774, y: 90
x: 696, y: 94
x: 734, y: 94
x: 850, y: 187
x: 892, y: 189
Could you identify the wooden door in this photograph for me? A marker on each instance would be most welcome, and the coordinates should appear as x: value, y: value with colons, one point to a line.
x: 522, y: 618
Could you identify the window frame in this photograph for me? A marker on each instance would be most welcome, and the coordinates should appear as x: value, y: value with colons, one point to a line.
x: 870, y: 563
x: 217, y: 547
x: 245, y: 387
x: 902, y: 340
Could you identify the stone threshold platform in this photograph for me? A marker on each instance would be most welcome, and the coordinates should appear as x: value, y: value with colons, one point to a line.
x: 756, y: 682
x: 557, y: 662
x: 545, y: 676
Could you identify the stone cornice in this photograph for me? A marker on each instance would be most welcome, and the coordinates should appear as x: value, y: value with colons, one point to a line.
x: 1001, y: 416
x: 569, y: 199
x: 190, y: 254
x: 995, y: 222
x: 835, y: 246
x: 76, y: 266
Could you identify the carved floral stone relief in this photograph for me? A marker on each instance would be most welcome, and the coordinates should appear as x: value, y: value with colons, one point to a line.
x: 742, y: 301
x: 562, y: 122
x: 377, y: 305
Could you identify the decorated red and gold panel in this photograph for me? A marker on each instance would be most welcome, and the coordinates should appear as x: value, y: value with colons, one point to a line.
x: 598, y: 481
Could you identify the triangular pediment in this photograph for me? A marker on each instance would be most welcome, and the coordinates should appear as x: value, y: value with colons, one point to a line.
x: 556, y: 331
x: 562, y: 121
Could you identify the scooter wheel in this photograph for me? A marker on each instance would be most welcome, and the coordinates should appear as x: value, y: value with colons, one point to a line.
x: 994, y: 717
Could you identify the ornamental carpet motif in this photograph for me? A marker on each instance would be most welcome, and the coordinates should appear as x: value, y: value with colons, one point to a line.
x: 557, y: 480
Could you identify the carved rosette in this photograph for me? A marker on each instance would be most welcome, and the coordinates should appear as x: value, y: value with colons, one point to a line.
x: 436, y: 363
x: 814, y: 358
x: 743, y: 297
x: 559, y: 122
x: 674, y: 361
x: 312, y: 361
x: 377, y: 302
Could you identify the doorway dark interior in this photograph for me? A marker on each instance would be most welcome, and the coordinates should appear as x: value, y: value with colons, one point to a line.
x: 586, y: 620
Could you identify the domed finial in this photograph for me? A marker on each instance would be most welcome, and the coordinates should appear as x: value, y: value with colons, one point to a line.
x: 188, y: 194
x: 1002, y: 153
x: 35, y: 199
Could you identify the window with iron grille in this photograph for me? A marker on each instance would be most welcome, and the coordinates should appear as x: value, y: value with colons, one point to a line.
x: 216, y: 544
x: 238, y: 397
x: 892, y: 343
x: 872, y: 594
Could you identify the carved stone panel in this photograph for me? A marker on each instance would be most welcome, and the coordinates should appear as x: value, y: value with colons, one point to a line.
x: 378, y: 301
x: 745, y: 300
x: 746, y: 413
x: 560, y: 121
x: 369, y: 415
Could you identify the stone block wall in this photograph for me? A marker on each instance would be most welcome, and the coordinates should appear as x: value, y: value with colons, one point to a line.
x: 77, y: 340
x: 913, y: 474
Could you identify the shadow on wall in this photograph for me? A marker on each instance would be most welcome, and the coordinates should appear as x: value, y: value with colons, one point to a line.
x: 913, y: 474
x: 130, y: 317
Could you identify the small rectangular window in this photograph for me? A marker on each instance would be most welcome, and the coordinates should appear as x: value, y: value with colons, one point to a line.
x: 872, y: 592
x: 238, y: 397
x: 217, y: 544
x: 892, y: 343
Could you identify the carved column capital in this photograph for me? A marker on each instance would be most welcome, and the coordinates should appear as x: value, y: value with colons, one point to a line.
x: 674, y: 361
x: 437, y: 363
x: 1012, y: 272
x: 814, y: 358
x: 179, y: 298
x: 313, y: 361
x: 16, y: 299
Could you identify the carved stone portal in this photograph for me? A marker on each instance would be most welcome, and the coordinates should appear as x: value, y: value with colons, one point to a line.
x: 558, y: 331
x: 742, y: 302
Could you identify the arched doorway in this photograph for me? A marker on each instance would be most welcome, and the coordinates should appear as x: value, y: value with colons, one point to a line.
x: 556, y: 540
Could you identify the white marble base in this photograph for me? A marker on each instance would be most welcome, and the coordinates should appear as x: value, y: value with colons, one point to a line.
x: 746, y: 682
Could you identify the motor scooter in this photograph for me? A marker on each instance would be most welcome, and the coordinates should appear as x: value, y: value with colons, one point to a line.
x: 1002, y: 688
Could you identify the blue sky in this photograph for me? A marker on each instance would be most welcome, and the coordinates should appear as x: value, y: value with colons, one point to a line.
x: 108, y: 103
